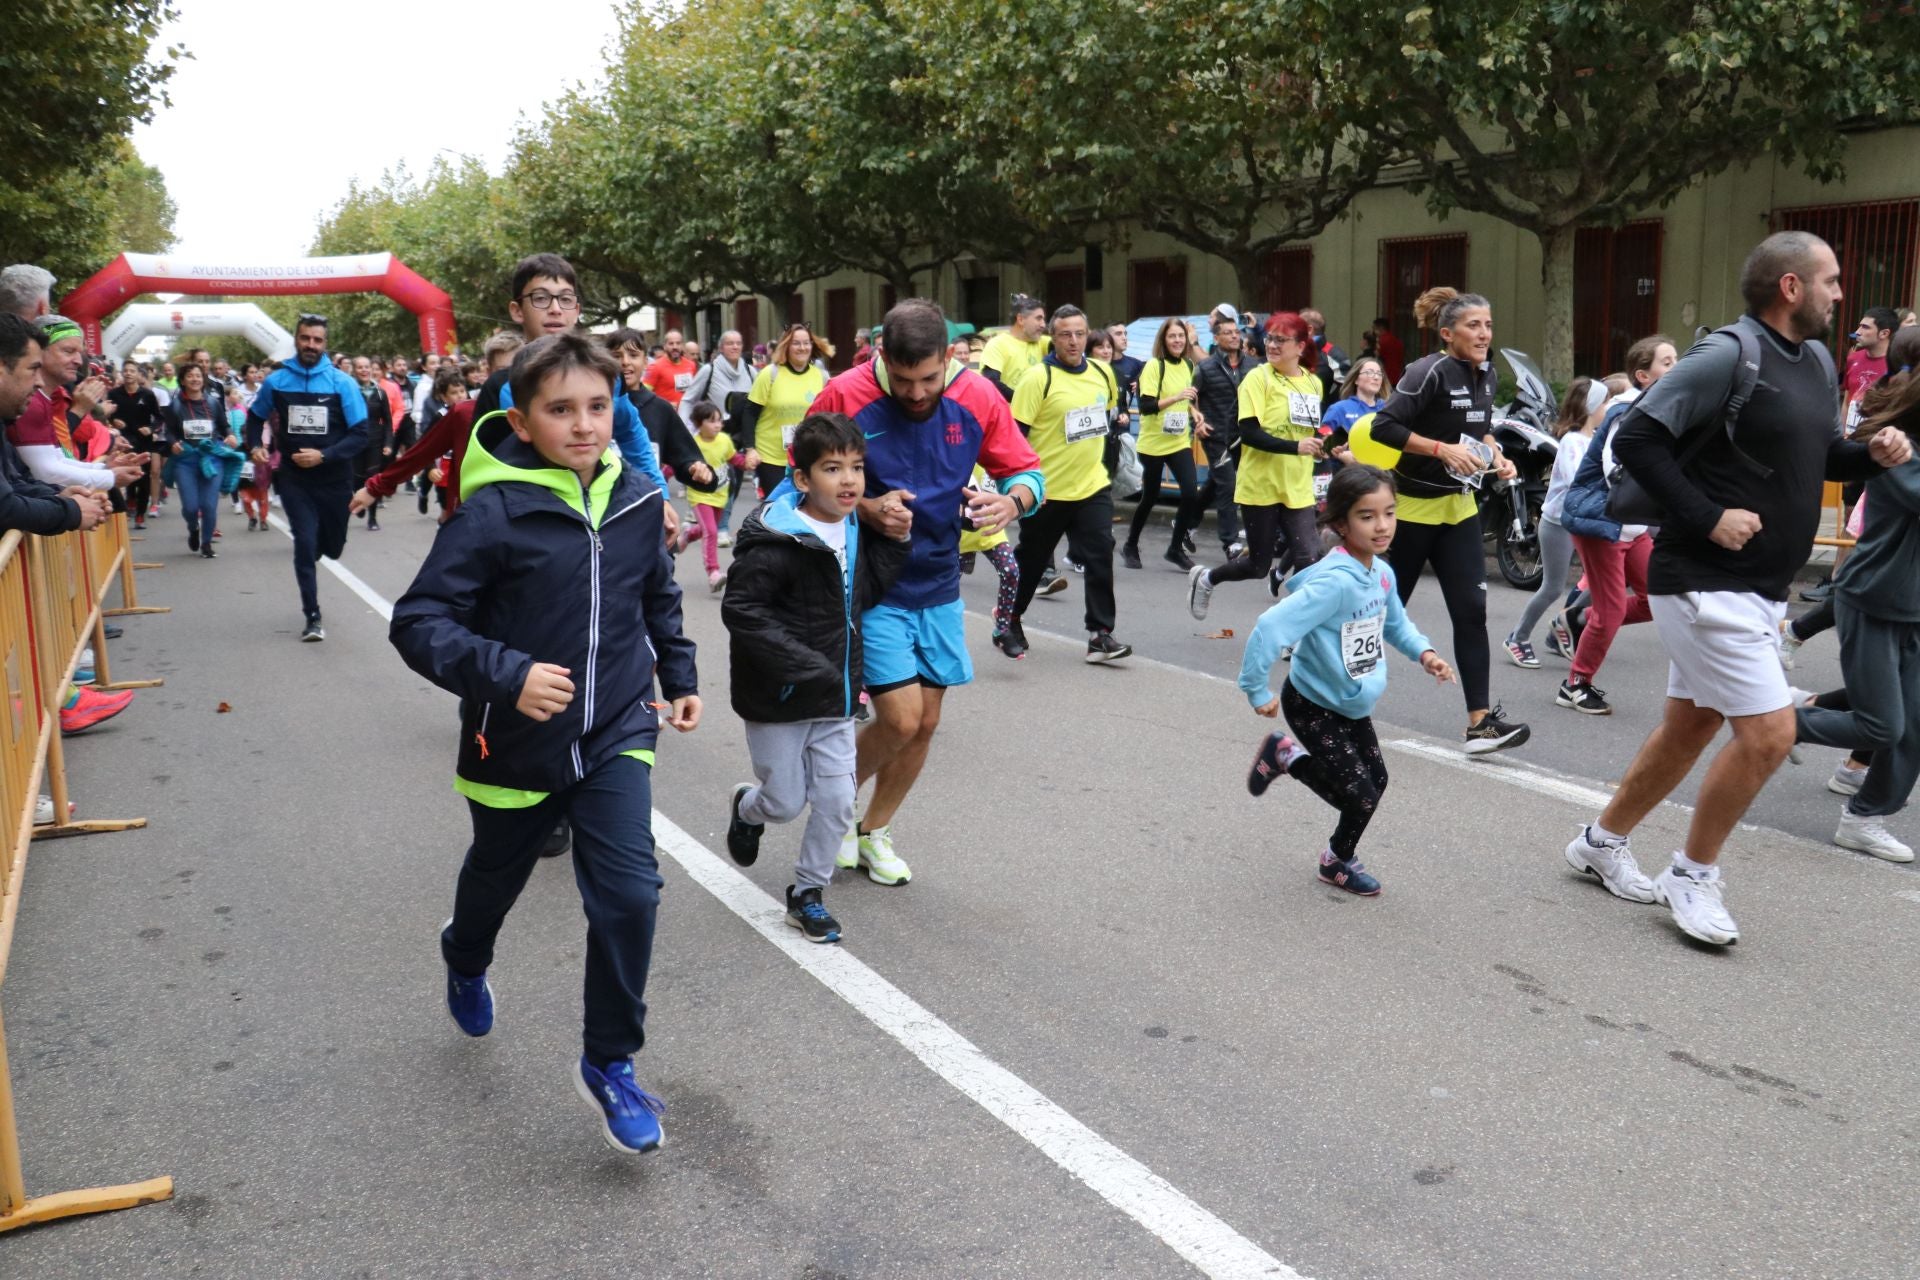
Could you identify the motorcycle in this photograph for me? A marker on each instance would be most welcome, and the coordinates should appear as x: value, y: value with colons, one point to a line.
x: 1510, y: 509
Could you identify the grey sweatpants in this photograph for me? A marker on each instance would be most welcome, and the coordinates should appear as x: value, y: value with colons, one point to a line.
x: 807, y: 763
x: 1881, y: 663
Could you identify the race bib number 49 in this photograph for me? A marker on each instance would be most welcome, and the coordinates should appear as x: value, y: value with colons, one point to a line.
x: 1360, y: 643
x: 1085, y: 424
x: 306, y: 419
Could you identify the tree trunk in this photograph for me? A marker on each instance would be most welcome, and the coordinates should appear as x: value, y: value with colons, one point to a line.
x: 1246, y: 279
x: 1034, y: 264
x: 780, y: 298
x: 1556, y: 287
x: 902, y: 282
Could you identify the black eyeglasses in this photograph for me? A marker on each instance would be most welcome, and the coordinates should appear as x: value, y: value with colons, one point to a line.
x: 308, y: 317
x: 541, y: 300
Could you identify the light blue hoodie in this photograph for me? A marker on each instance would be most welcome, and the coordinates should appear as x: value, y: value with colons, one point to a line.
x: 1335, y: 621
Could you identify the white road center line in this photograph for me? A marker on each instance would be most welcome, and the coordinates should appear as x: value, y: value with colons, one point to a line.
x: 1213, y: 1247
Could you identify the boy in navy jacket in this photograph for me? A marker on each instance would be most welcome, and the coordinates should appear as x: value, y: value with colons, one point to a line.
x: 803, y: 573
x: 548, y: 604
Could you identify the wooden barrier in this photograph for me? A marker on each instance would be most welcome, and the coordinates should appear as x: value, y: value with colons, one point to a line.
x: 51, y: 591
x: 129, y: 591
x: 1832, y: 504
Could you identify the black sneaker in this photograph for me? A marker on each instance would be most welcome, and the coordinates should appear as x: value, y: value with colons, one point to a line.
x: 1350, y: 877
x: 1495, y: 734
x: 207, y: 552
x: 558, y: 841
x: 193, y: 539
x: 373, y: 526
x: 743, y: 837
x: 313, y: 633
x: 1188, y: 545
x: 1075, y: 565
x: 1102, y: 647
x: 1819, y: 592
x: 1178, y: 558
x: 966, y: 561
x: 1273, y: 582
x: 1269, y: 762
x: 1583, y: 698
x: 1012, y: 641
x: 252, y: 523
x: 1051, y: 584
x: 808, y: 914
x: 1130, y: 556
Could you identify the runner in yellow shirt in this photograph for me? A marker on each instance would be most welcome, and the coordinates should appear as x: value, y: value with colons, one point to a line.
x: 1019, y: 347
x: 781, y: 395
x: 1280, y: 441
x: 1170, y: 421
x: 1066, y: 405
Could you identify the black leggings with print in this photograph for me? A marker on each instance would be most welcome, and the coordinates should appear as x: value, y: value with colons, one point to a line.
x: 1342, y: 766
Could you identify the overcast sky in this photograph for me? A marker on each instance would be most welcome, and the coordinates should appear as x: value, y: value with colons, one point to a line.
x: 276, y: 115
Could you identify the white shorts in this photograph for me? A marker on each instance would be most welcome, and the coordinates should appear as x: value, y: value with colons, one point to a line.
x: 1723, y: 650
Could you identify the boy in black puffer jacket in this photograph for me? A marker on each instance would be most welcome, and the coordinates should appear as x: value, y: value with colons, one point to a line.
x: 803, y: 572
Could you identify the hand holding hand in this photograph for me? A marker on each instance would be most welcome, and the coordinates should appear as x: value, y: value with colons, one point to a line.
x: 989, y: 511
x: 889, y: 513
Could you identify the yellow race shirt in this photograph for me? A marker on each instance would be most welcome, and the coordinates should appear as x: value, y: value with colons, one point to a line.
x: 1171, y: 431
x: 784, y: 398
x: 1066, y: 415
x: 1009, y: 357
x: 716, y: 453
x: 1289, y: 409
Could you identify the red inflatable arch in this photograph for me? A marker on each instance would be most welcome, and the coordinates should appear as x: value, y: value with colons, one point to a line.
x: 132, y: 274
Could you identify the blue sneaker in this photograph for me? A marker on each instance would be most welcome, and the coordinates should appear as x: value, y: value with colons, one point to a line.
x: 629, y: 1115
x: 470, y: 1001
x: 1350, y: 876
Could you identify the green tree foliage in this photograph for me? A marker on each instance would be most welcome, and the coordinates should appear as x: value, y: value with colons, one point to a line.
x: 75, y: 77
x: 140, y: 210
x: 1572, y: 113
x: 460, y: 229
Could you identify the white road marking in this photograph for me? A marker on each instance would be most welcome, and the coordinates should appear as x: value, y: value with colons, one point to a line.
x: 1213, y: 1247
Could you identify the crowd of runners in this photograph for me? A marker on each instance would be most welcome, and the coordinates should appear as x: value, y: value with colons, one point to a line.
x: 1688, y: 485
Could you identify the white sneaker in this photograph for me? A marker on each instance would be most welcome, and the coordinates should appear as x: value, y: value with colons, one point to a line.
x: 1847, y: 780
x: 849, y: 856
x: 1870, y: 835
x: 725, y: 539
x: 1199, y: 592
x: 42, y: 811
x: 1613, y: 865
x: 1696, y: 907
x: 884, y: 866
x: 1789, y: 644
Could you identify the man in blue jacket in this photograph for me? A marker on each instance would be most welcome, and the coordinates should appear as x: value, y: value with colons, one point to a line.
x: 319, y: 421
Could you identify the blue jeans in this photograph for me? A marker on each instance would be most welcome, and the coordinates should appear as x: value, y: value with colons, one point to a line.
x: 199, y: 496
x: 613, y: 863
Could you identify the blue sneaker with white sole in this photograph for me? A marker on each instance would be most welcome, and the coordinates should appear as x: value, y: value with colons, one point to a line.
x: 470, y: 1001
x: 629, y: 1115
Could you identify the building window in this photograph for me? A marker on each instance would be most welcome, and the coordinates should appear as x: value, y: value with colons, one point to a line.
x: 1064, y: 286
x: 1157, y: 287
x: 981, y: 303
x: 1286, y: 280
x: 1408, y: 268
x: 797, y: 308
x: 1616, y: 293
x: 1876, y: 245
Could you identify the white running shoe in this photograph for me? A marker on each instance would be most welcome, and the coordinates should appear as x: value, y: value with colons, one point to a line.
x: 1870, y: 835
x: 1613, y: 865
x: 1847, y: 780
x: 1199, y: 592
x: 725, y: 539
x: 1789, y: 644
x: 884, y: 866
x: 1697, y: 907
x: 849, y: 856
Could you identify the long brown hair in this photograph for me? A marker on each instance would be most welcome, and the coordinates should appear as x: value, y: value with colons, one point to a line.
x: 1895, y: 402
x: 822, y: 349
x: 1160, y: 339
x: 1573, y: 408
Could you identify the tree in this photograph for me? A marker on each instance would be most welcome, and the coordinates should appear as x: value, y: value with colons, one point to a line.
x: 1214, y: 126
x: 1579, y: 112
x: 140, y: 209
x: 75, y: 77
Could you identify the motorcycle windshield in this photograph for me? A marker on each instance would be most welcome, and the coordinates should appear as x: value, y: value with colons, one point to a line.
x: 1530, y: 385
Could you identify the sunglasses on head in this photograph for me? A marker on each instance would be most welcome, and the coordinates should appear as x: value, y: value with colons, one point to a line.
x: 309, y: 318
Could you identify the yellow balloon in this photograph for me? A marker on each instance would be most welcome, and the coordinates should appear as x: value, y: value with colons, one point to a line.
x: 1365, y: 449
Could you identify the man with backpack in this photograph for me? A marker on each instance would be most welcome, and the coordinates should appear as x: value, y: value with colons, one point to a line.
x: 1732, y: 448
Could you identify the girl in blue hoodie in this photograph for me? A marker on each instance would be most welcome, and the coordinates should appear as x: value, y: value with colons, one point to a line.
x: 1340, y: 614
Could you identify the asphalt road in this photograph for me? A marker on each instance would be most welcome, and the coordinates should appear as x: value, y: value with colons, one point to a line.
x: 1493, y: 1070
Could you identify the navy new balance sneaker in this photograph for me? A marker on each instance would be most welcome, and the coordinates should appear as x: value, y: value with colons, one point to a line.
x: 1350, y: 876
x: 629, y: 1115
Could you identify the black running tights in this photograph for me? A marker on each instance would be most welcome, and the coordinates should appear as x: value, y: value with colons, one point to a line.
x: 1459, y: 560
x: 1342, y: 766
x: 1297, y: 527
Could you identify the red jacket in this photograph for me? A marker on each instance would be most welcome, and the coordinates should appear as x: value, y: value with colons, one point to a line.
x: 448, y: 435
